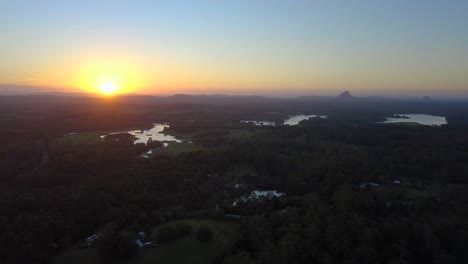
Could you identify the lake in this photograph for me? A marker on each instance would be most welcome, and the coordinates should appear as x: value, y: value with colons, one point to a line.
x: 291, y: 121
x: 294, y: 120
x: 428, y: 120
x: 258, y: 194
x: 155, y: 133
x: 258, y: 123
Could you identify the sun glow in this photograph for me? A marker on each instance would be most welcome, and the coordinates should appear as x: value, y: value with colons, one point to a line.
x: 109, y: 78
x: 108, y: 88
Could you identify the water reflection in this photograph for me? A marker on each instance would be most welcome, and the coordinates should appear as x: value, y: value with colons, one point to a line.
x: 258, y: 123
x: 148, y: 153
x: 291, y: 121
x: 258, y: 194
x: 294, y: 120
x: 155, y: 133
x: 428, y: 120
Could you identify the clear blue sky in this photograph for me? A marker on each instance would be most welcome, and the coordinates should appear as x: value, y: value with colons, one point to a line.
x: 280, y: 47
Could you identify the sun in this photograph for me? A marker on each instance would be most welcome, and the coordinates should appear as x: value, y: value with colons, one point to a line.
x: 108, y: 88
x: 109, y: 77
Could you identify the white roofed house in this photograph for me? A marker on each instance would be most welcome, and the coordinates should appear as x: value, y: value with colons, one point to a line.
x: 144, y: 240
x: 91, y: 240
x: 368, y: 185
x: 140, y: 243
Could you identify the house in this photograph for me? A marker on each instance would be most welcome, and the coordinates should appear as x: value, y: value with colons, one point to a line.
x: 232, y: 216
x: 143, y: 240
x: 91, y: 240
x: 238, y: 185
x: 367, y: 184
x: 139, y: 243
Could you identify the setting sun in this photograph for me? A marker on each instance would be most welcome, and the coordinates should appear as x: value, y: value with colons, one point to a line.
x: 108, y: 77
x: 108, y: 88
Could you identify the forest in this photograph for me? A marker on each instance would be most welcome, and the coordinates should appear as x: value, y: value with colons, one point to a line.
x: 353, y: 190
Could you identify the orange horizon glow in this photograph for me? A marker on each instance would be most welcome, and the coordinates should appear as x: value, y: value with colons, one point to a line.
x: 193, y: 47
x: 157, y: 73
x: 91, y: 72
x: 108, y: 78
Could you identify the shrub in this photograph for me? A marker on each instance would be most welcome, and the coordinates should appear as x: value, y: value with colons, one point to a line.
x: 167, y: 234
x: 204, y: 234
x: 184, y: 229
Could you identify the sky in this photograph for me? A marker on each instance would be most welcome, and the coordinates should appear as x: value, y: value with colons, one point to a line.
x: 268, y: 47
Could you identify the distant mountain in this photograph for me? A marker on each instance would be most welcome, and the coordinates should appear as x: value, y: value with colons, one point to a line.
x: 345, y: 95
x: 426, y: 98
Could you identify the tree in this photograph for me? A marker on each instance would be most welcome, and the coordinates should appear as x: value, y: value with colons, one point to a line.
x: 239, y: 258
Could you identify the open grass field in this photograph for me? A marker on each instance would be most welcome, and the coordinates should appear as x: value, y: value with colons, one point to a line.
x: 409, y: 124
x: 177, y: 148
x: 84, y: 138
x: 174, y: 148
x: 188, y: 249
x: 183, y: 250
x: 232, y: 132
x: 78, y: 255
